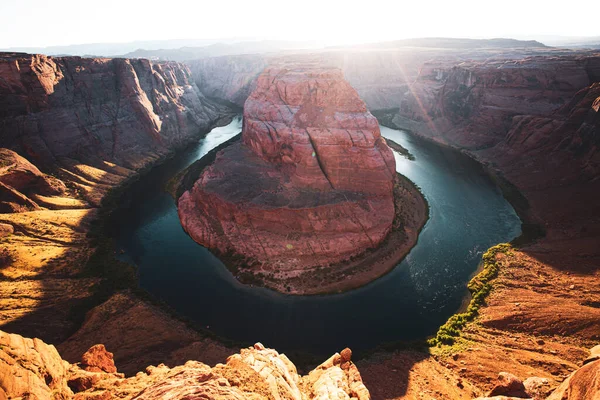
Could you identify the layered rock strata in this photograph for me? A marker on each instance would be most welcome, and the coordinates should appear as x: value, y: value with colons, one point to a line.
x: 311, y: 183
x: 97, y: 109
x: 32, y: 369
x: 21, y: 182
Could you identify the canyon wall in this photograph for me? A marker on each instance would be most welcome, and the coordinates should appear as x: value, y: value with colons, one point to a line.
x: 229, y: 79
x: 32, y: 369
x: 534, y: 122
x: 542, y: 136
x: 72, y: 129
x: 116, y: 110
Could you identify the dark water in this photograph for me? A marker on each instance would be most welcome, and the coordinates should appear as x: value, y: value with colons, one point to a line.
x: 468, y: 214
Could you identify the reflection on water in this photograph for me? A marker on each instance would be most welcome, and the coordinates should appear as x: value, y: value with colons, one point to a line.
x: 467, y: 215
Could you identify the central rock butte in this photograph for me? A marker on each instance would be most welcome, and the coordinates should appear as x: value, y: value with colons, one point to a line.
x: 310, y: 184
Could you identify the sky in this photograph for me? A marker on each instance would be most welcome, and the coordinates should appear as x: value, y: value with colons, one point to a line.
x: 40, y: 23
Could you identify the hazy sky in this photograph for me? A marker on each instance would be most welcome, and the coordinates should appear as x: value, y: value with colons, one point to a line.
x: 61, y: 22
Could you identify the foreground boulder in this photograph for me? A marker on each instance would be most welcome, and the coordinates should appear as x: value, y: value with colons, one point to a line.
x: 31, y: 369
x: 310, y: 184
x: 97, y: 359
x: 582, y: 384
x: 508, y: 385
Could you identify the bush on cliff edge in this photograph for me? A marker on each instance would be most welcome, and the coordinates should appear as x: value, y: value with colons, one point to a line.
x: 479, y: 287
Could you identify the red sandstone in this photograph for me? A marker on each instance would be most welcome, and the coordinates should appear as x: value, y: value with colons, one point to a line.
x: 311, y: 184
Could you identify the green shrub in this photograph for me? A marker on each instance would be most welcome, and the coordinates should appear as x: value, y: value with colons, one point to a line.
x: 479, y: 287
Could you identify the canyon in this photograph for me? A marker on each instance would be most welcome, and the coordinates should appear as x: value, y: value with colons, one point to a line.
x: 75, y: 128
x: 90, y: 125
x: 311, y: 185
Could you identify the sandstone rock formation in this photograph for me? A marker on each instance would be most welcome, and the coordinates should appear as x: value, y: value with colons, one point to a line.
x: 140, y: 334
x: 582, y: 384
x: 508, y: 385
x: 97, y: 359
x: 29, y: 368
x: 311, y: 184
x: 228, y: 79
x: 542, y: 331
x: 528, y: 115
x: 21, y: 181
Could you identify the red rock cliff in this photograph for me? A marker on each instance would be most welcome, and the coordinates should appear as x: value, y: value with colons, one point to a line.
x: 311, y: 183
x: 536, y: 122
x: 118, y: 110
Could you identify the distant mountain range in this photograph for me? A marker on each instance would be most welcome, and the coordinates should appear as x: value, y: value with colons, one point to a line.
x: 456, y: 43
x: 221, y: 49
x: 571, y: 41
x: 116, y: 49
x: 189, y: 49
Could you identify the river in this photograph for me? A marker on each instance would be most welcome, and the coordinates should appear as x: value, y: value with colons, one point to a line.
x: 467, y: 215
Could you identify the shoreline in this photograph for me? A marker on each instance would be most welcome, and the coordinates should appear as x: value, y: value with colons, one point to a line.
x: 309, y: 357
x: 531, y: 229
x: 72, y: 248
x: 376, y: 263
x: 304, y: 358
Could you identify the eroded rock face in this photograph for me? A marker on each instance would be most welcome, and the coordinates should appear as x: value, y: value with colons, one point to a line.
x: 31, y: 369
x: 582, y: 384
x: 508, y: 385
x: 98, y: 359
x: 310, y: 184
x: 92, y: 123
x: 20, y: 179
x: 94, y: 109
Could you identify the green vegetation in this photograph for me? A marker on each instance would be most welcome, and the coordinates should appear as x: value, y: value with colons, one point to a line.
x: 480, y: 286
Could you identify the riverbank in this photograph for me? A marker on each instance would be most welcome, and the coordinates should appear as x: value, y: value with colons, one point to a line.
x: 429, y: 278
x: 531, y: 228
